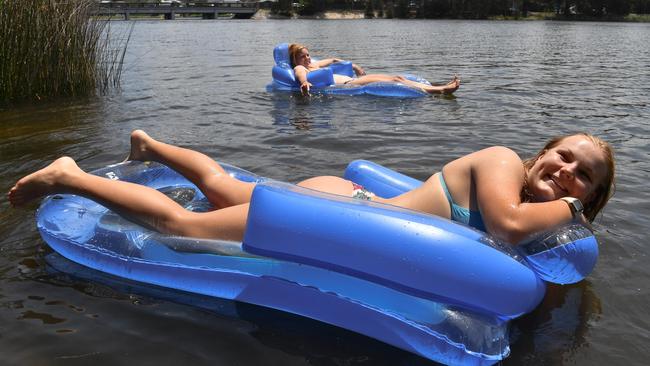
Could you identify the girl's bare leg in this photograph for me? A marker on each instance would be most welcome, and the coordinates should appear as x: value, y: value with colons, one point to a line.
x: 141, y: 204
x: 448, y: 88
x: 220, y: 189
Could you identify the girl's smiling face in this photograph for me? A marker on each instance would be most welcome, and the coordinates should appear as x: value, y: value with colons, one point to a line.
x: 302, y: 58
x: 575, y: 167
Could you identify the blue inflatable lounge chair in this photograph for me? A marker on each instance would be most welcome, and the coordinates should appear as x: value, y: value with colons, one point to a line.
x: 419, y: 282
x: 322, y: 80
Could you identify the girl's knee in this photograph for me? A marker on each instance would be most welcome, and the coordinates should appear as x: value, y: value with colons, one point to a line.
x: 180, y: 223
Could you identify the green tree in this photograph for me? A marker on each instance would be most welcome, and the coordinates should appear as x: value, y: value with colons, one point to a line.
x: 370, y: 10
x: 390, y: 9
x: 641, y: 6
x: 401, y: 9
x: 617, y: 7
x: 282, y: 7
x: 436, y: 8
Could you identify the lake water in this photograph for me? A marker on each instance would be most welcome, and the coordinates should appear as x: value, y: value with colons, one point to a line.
x: 201, y: 84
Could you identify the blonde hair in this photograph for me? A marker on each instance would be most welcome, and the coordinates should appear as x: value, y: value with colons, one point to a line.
x: 603, y: 192
x: 294, y: 49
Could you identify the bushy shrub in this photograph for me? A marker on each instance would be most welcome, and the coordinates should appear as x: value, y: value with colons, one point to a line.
x: 51, y: 48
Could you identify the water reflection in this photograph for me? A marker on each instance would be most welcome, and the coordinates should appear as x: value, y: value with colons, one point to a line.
x: 557, y: 327
x: 293, y: 109
x: 50, y: 129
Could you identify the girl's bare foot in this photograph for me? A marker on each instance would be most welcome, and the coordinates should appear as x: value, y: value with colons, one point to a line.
x: 449, y: 88
x: 53, y: 178
x: 139, y: 142
x: 452, y: 86
x: 454, y: 80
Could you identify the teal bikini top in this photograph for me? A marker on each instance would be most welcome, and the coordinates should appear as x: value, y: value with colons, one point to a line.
x: 462, y: 214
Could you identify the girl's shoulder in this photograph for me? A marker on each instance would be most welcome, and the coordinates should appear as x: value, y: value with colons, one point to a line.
x: 495, y: 160
x: 501, y: 150
x: 496, y: 153
x: 487, y: 162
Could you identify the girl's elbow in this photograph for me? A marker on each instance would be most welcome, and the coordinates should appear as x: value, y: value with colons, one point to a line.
x: 510, y: 231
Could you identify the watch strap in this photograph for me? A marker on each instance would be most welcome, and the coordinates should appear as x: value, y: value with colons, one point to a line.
x: 574, y: 205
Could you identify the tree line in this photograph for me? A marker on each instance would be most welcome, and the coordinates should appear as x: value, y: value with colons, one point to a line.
x: 467, y: 9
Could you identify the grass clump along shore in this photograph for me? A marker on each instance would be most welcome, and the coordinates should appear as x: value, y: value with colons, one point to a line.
x: 54, y: 48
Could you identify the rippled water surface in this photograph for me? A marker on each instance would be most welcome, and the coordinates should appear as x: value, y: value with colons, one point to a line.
x: 201, y: 84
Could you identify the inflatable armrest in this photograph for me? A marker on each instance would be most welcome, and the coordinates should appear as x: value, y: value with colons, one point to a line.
x: 343, y: 68
x: 419, y: 254
x: 319, y: 78
x: 284, y: 76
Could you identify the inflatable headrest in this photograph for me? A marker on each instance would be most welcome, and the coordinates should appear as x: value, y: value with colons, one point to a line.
x: 564, y: 255
x: 281, y: 55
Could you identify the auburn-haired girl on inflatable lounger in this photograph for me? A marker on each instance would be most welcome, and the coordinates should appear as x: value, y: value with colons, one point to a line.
x: 303, y: 64
x: 491, y: 189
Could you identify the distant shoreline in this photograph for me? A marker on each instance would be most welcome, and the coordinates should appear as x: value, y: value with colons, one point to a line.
x: 359, y: 14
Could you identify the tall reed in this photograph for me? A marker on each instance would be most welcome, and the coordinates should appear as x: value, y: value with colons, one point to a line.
x: 51, y: 48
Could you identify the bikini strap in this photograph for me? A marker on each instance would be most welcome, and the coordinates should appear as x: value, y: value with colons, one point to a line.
x: 444, y: 188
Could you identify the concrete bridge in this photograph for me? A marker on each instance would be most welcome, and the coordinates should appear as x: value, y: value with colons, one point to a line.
x: 169, y: 9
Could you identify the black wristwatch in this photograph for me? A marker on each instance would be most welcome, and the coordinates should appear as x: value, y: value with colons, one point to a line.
x: 574, y: 204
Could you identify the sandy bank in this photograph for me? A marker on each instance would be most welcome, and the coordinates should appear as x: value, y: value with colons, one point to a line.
x: 353, y: 14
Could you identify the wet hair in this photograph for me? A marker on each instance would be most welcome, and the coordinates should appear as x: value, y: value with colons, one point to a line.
x: 604, y: 191
x: 294, y: 49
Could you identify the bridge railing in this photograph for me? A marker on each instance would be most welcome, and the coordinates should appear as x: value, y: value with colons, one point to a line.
x: 188, y: 4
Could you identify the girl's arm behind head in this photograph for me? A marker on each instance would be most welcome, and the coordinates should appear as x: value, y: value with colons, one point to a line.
x: 498, y: 178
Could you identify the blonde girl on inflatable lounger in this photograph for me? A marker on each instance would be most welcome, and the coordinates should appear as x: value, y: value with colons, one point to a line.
x: 509, y: 197
x: 303, y: 64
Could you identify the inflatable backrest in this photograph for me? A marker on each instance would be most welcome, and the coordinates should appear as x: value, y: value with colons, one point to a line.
x: 281, y: 55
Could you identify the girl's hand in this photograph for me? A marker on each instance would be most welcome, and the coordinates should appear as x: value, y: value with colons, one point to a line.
x: 358, y: 70
x: 304, y: 88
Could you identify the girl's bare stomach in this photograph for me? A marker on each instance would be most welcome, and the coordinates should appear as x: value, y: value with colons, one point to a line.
x: 341, y: 79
